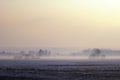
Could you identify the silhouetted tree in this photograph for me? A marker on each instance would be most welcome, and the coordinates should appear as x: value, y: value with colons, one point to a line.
x: 96, y: 54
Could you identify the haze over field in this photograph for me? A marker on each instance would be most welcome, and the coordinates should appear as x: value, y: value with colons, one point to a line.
x: 59, y: 40
x: 60, y: 23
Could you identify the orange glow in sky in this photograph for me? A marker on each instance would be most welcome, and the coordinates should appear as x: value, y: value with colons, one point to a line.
x: 60, y: 23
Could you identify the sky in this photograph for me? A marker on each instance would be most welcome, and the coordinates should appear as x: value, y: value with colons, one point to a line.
x: 60, y: 23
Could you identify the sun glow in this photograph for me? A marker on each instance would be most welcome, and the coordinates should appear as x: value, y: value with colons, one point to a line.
x: 95, y: 2
x: 107, y: 1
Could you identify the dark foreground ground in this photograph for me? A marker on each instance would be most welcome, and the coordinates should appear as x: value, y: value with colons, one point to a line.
x: 59, y: 70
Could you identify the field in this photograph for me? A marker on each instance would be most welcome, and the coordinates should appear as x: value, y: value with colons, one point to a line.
x: 59, y: 69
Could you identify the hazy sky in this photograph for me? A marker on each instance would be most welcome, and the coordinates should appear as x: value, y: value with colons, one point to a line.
x: 60, y: 23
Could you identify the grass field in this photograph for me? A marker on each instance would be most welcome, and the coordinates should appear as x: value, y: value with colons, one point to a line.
x: 59, y: 70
